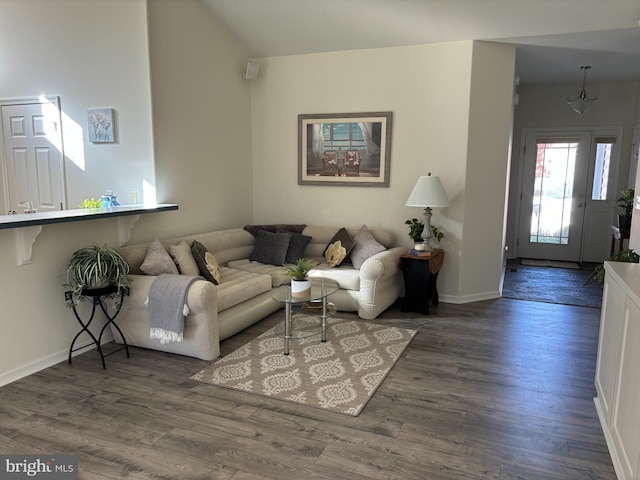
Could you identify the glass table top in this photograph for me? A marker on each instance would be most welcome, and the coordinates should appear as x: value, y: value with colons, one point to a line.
x: 320, y: 288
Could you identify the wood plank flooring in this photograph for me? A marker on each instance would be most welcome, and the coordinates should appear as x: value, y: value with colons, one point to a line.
x: 500, y: 389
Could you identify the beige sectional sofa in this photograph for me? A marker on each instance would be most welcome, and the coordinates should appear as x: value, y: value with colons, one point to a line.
x: 243, y: 296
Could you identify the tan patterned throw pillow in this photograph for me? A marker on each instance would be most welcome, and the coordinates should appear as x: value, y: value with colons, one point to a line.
x: 213, y: 267
x: 335, y: 254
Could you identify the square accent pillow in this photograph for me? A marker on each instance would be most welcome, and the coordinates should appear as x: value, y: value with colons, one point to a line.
x: 199, y: 253
x: 213, y: 267
x: 335, y: 254
x: 365, y: 246
x: 270, y: 248
x: 183, y: 258
x: 158, y: 261
x: 346, y: 242
x: 297, y: 245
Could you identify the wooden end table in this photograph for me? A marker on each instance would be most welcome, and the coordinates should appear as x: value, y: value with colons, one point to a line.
x: 420, y: 276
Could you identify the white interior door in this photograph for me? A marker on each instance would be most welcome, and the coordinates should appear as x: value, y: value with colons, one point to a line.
x: 554, y: 188
x: 33, y: 158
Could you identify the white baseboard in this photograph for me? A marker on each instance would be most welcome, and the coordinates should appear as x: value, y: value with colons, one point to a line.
x: 33, y: 367
x: 477, y: 297
x: 46, y: 362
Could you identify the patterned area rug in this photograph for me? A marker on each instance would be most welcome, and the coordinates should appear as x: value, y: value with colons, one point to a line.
x: 339, y: 375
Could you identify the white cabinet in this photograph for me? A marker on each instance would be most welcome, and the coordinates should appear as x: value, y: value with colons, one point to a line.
x: 618, y: 369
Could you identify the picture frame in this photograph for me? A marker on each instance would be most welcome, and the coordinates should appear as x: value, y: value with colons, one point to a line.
x: 101, y: 125
x: 347, y: 149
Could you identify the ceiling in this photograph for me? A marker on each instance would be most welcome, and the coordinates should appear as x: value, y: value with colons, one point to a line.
x: 553, y: 38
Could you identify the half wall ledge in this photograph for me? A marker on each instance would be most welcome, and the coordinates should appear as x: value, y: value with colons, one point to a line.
x: 29, y: 225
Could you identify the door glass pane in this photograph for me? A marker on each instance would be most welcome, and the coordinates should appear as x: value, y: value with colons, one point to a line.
x: 553, y: 189
x: 601, y: 171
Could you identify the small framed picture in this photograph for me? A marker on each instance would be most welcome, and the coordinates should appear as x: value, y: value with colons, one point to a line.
x: 101, y: 124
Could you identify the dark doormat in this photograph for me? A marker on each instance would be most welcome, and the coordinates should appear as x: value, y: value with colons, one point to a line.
x: 551, y: 285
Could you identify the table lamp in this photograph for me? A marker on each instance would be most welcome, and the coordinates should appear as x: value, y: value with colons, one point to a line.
x: 428, y: 193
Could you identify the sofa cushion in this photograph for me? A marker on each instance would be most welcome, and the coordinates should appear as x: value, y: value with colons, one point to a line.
x: 270, y: 247
x: 347, y: 277
x: 365, y: 246
x: 183, y: 258
x: 277, y: 273
x: 199, y: 252
x: 238, y: 286
x: 157, y: 260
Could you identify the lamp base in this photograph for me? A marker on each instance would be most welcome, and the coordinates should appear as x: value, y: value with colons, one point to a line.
x: 426, y: 231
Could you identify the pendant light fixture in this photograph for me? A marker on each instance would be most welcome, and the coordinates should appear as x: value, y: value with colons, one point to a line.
x: 582, y: 103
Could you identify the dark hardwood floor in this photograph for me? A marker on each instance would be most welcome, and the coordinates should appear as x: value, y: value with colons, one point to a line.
x: 500, y: 389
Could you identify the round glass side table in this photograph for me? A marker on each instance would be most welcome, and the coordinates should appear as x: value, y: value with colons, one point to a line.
x: 303, y: 322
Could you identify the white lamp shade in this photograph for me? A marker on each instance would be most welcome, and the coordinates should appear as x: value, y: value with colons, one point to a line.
x: 428, y: 192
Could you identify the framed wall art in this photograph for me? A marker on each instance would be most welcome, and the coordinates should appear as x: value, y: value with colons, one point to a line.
x: 101, y: 124
x: 344, y: 149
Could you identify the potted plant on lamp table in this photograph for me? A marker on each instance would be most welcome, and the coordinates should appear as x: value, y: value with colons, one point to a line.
x: 299, y: 273
x: 415, y: 233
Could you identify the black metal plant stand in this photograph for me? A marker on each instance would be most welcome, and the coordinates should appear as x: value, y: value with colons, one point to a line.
x: 98, y: 296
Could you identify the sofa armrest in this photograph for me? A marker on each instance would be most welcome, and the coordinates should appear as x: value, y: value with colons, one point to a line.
x: 202, y: 294
x: 201, y: 337
x: 382, y: 265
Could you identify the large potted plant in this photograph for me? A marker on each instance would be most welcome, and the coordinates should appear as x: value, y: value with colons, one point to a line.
x: 96, y: 268
x: 625, y: 208
x: 299, y: 273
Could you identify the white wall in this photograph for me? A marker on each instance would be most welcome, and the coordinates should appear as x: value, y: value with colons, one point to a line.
x: 226, y: 149
x: 93, y: 54
x: 490, y: 124
x: 429, y: 89
x: 546, y: 107
x: 202, y: 122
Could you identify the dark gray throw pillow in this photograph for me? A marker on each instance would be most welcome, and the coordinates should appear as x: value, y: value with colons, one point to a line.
x: 295, y: 228
x: 199, y: 252
x: 270, y: 248
x: 297, y: 245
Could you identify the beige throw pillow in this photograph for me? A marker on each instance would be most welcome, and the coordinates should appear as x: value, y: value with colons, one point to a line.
x: 157, y: 260
x: 183, y: 257
x: 365, y: 246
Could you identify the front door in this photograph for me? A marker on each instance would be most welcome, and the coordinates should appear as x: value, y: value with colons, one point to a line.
x: 33, y: 158
x: 554, y: 188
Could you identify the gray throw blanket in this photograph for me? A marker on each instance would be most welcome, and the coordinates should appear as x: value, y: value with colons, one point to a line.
x: 167, y: 304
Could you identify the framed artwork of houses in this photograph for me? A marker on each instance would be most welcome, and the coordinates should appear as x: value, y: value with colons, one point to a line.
x: 352, y: 149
